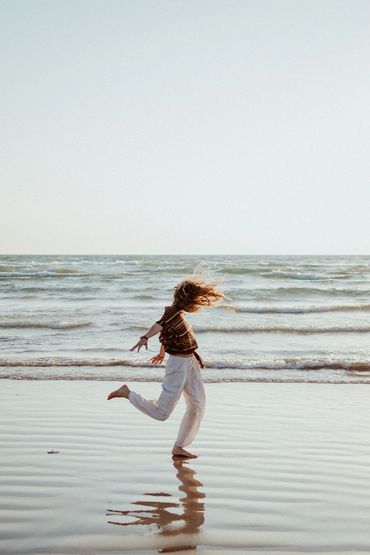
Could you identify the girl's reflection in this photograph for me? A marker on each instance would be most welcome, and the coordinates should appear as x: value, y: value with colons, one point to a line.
x: 159, y: 513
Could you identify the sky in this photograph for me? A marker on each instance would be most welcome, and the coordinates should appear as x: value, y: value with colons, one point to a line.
x: 185, y: 127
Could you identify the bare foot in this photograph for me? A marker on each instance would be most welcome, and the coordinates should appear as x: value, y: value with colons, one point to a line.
x: 181, y: 452
x: 123, y: 391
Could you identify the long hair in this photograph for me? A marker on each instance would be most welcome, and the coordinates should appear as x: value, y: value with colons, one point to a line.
x: 194, y: 293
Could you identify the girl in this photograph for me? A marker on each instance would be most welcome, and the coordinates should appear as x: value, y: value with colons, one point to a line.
x: 182, y: 373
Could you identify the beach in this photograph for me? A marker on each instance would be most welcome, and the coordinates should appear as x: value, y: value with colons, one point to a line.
x: 282, y: 468
x: 284, y: 455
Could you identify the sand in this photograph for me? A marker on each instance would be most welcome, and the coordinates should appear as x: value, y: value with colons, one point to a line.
x: 283, y: 468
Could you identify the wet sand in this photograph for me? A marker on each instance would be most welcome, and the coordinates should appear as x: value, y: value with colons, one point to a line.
x: 283, y: 468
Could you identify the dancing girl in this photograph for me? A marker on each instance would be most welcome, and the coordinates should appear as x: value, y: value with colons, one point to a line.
x: 182, y: 371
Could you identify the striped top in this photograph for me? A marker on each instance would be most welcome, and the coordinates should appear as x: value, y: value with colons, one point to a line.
x: 176, y: 335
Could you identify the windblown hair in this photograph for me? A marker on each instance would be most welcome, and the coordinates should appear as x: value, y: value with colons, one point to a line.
x: 192, y: 295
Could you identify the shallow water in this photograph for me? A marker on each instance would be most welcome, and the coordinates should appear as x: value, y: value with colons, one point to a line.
x: 283, y: 468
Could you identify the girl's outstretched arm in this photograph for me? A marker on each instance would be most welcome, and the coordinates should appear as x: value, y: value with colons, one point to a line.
x: 153, y: 330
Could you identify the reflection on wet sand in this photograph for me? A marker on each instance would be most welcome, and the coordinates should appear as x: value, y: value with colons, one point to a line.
x: 187, y: 521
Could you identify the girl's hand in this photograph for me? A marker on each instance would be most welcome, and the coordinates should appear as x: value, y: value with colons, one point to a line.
x: 142, y: 341
x: 158, y: 359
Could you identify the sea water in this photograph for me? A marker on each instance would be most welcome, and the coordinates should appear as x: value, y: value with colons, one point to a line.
x: 289, y: 318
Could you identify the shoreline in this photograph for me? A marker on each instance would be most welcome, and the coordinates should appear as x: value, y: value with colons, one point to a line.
x: 86, y: 374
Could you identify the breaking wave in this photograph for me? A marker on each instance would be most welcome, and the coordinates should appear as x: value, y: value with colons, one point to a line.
x: 278, y: 292
x: 276, y: 274
x: 297, y: 309
x: 283, y: 329
x: 62, y: 325
x: 314, y: 363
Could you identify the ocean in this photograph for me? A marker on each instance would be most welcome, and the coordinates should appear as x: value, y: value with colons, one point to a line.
x: 290, y: 318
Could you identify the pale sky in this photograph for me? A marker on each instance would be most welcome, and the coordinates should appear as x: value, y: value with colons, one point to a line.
x: 185, y: 127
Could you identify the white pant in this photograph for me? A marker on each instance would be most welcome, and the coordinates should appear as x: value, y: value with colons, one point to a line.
x: 182, y: 375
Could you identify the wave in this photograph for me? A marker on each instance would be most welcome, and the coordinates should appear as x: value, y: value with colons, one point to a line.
x: 282, y: 329
x: 60, y: 362
x: 294, y: 272
x: 274, y: 329
x: 276, y: 292
x: 285, y: 274
x: 64, y: 271
x: 114, y: 272
x: 143, y: 296
x: 241, y: 271
x: 296, y: 309
x: 318, y: 363
x: 57, y: 273
x: 277, y: 274
x: 61, y: 325
x: 46, y: 289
